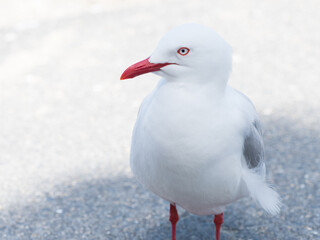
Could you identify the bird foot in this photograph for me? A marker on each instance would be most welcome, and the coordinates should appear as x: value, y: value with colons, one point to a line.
x: 174, y: 217
x: 218, y: 220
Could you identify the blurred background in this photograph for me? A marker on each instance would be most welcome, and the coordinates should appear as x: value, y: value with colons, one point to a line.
x: 66, y: 119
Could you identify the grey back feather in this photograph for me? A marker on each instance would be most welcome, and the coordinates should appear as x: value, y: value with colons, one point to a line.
x: 253, y: 149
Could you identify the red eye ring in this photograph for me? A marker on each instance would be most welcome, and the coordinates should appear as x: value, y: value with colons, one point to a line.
x: 183, y: 51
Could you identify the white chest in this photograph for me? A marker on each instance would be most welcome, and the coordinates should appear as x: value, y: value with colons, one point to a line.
x: 180, y: 148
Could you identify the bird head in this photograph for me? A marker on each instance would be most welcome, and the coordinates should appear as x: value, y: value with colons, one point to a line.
x: 190, y: 52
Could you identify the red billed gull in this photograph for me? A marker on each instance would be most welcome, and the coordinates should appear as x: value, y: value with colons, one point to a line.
x: 197, y: 142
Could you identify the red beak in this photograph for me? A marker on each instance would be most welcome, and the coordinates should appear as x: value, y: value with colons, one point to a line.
x: 141, y: 68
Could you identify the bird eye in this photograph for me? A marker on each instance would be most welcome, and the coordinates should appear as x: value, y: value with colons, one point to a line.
x: 183, y: 51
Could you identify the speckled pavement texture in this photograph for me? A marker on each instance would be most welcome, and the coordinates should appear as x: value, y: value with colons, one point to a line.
x: 66, y: 119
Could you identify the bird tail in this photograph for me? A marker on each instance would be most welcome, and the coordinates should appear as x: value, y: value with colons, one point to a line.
x: 259, y: 190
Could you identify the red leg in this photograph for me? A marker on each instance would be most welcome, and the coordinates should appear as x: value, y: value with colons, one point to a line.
x: 174, y: 217
x: 218, y: 220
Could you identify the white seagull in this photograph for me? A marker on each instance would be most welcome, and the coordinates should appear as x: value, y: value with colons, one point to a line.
x: 197, y: 142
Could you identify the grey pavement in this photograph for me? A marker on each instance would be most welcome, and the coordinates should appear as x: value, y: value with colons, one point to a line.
x: 66, y: 119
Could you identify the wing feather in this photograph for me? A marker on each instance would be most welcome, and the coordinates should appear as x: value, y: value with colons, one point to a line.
x: 253, y: 148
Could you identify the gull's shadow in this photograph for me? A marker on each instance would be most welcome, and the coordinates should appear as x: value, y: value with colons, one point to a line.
x: 119, y: 208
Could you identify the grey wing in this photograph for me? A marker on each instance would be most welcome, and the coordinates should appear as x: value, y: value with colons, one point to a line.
x: 253, y: 149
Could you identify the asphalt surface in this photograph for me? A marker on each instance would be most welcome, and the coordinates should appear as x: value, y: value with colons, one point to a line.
x: 66, y: 119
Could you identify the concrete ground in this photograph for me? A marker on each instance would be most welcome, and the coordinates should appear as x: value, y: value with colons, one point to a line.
x: 66, y: 119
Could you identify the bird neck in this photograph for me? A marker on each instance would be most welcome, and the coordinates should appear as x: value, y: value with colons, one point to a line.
x: 213, y: 88
x: 215, y: 85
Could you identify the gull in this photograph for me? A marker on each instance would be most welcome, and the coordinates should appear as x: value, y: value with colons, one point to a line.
x: 197, y: 142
